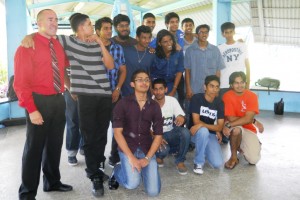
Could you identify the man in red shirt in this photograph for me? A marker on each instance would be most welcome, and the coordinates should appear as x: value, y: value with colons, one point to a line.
x: 241, y: 105
x: 39, y: 81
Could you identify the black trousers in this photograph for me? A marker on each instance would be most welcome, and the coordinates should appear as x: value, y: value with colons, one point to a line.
x: 180, y: 91
x: 43, y: 146
x: 94, y: 117
x: 114, y: 153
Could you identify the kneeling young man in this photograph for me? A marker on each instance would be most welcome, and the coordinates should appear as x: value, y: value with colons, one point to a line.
x: 206, y: 108
x: 133, y: 117
x: 175, y: 139
x: 241, y: 105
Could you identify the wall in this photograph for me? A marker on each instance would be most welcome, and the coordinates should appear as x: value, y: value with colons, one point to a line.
x: 291, y: 100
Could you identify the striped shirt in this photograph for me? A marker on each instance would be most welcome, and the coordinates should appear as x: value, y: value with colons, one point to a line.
x: 87, y: 71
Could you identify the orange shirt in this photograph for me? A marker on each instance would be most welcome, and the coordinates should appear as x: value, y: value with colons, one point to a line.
x: 237, y: 106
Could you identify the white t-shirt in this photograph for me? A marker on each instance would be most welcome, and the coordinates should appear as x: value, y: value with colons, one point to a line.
x: 234, y: 56
x: 170, y: 110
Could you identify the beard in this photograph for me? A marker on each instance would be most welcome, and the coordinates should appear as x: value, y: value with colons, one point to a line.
x: 123, y: 37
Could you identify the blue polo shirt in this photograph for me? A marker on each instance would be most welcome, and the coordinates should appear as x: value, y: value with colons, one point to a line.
x: 202, y: 63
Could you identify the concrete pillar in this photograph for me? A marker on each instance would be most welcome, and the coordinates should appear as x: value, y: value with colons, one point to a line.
x: 17, y: 26
x: 221, y: 14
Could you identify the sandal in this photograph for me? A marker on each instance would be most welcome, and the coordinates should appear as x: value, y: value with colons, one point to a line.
x: 232, y: 164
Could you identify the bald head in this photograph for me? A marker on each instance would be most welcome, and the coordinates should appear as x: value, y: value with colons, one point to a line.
x: 47, y: 22
x: 41, y: 14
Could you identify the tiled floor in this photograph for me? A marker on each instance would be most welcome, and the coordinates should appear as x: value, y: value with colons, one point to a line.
x: 276, y: 176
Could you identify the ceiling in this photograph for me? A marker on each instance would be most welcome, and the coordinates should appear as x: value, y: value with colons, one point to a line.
x: 101, y: 8
x: 272, y: 21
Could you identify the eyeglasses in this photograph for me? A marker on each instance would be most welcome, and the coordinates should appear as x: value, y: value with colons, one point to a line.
x: 140, y: 80
x: 123, y: 26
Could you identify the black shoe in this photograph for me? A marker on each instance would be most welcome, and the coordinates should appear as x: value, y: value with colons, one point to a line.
x: 60, y: 188
x: 72, y: 160
x: 105, y: 177
x: 98, y: 189
x: 113, y: 183
x: 191, y: 147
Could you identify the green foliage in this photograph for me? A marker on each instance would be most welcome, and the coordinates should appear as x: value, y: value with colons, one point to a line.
x: 3, y: 75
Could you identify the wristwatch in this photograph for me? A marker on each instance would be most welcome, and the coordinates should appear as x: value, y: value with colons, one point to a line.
x: 228, y: 125
x: 117, y: 88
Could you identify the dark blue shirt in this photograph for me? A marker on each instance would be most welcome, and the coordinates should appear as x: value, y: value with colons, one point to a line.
x: 209, y: 111
x: 167, y: 68
x: 132, y: 58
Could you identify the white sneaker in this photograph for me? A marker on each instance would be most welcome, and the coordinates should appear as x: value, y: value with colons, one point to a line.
x: 198, y: 169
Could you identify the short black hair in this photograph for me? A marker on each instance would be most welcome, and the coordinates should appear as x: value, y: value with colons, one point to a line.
x: 76, y: 20
x: 139, y: 71
x: 227, y: 25
x: 202, y: 26
x: 186, y: 20
x: 159, y: 81
x: 143, y: 29
x: 211, y: 78
x: 171, y: 15
x: 147, y: 15
x: 234, y: 75
x: 99, y: 22
x: 120, y: 18
x: 72, y: 16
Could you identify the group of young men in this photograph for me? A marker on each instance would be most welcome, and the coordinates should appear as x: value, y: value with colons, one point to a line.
x: 107, y: 79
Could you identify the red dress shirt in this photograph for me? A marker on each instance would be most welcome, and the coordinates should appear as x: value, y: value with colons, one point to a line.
x: 33, y: 71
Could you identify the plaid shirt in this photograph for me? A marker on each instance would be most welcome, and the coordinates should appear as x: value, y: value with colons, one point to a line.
x: 117, y: 53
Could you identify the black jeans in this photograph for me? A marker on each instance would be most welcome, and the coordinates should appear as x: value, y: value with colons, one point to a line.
x: 94, y: 117
x: 43, y: 146
x: 180, y: 91
x: 114, y: 153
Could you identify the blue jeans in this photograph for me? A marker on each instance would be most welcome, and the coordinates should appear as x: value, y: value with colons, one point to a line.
x: 73, y: 137
x: 207, y: 146
x: 131, y: 179
x: 178, y: 142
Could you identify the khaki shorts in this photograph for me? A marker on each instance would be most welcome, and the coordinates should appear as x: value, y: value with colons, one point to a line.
x: 250, y: 145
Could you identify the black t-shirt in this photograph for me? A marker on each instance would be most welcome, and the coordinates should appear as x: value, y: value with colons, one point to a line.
x: 209, y: 112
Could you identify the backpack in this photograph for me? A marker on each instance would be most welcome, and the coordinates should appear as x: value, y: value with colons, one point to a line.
x: 11, y: 94
x: 269, y: 83
x: 279, y: 107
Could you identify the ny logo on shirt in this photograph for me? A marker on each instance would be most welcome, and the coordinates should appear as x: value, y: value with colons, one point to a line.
x: 229, y: 58
x: 205, y: 111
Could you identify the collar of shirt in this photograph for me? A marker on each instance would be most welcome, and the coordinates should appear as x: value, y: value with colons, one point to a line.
x: 44, y: 39
x: 196, y: 46
x: 133, y: 98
